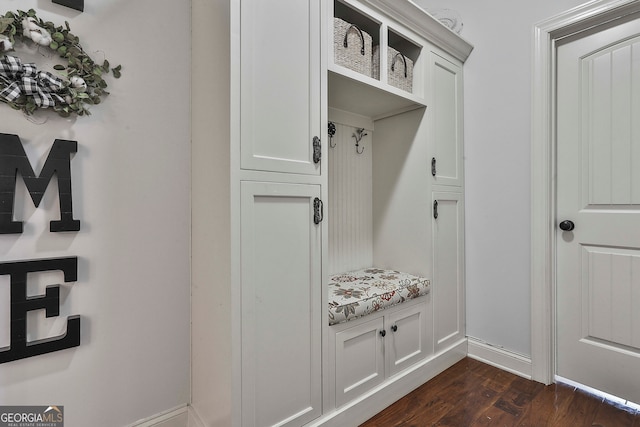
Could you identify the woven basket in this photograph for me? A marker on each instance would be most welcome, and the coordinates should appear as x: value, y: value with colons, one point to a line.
x: 351, y: 47
x: 399, y: 68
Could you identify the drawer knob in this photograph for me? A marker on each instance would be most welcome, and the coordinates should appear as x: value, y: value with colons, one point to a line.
x: 383, y: 332
x: 394, y: 328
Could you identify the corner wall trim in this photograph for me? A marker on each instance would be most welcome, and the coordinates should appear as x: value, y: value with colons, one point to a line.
x: 500, y: 358
x: 194, y: 418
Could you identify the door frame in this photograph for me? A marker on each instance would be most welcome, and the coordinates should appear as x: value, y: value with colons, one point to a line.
x: 543, y: 166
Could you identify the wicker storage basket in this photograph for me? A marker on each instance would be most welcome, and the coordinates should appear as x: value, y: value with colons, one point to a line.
x: 399, y: 68
x: 351, y: 47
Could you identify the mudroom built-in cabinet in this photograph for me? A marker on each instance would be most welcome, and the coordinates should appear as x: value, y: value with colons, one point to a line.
x: 347, y: 207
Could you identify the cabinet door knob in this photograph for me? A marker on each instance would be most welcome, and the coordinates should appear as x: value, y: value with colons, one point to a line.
x: 435, y: 209
x: 433, y: 166
x: 394, y: 328
x: 383, y: 332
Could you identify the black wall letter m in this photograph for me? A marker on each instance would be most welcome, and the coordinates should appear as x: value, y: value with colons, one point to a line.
x: 14, y: 160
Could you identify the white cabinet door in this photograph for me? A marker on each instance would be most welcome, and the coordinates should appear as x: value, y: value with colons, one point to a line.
x: 280, y: 300
x: 280, y: 85
x: 359, y: 359
x: 406, y: 337
x: 446, y: 121
x: 448, y: 268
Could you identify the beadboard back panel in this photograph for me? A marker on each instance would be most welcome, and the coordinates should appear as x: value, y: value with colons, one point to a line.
x: 350, y: 201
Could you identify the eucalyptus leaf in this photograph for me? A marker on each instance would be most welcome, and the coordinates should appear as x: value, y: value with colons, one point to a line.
x: 4, y: 24
x: 79, y: 64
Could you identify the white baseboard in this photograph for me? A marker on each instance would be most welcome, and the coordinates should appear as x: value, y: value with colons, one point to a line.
x: 374, y: 401
x: 500, y: 358
x: 183, y: 416
x: 177, y: 417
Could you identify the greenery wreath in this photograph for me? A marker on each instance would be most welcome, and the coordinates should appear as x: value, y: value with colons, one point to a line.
x: 25, y: 88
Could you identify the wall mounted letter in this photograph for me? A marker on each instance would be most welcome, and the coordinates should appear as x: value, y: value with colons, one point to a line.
x: 19, y: 348
x: 14, y: 160
x: 73, y: 4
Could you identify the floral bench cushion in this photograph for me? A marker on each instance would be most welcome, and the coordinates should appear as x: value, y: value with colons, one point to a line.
x: 358, y: 293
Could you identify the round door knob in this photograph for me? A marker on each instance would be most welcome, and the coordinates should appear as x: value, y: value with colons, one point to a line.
x: 383, y: 332
x: 394, y: 328
x: 567, y: 225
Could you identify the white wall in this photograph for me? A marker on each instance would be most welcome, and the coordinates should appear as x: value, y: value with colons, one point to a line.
x: 131, y: 185
x: 497, y: 161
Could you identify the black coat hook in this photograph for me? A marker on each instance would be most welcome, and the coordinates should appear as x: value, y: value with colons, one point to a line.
x: 358, y: 134
x: 332, y: 132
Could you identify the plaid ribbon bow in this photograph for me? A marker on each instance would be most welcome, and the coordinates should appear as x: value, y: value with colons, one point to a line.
x: 26, y: 79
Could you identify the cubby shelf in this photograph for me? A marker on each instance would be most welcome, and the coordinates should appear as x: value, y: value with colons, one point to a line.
x: 359, y: 94
x: 374, y: 96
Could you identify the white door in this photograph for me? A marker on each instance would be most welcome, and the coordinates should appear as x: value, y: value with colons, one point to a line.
x: 406, y: 337
x: 446, y: 121
x: 598, y: 190
x: 281, y: 295
x: 359, y: 359
x: 280, y: 85
x: 448, y: 268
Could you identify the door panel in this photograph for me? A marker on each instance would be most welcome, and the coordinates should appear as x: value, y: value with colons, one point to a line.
x: 407, y: 342
x: 281, y: 294
x: 359, y: 359
x: 610, y: 293
x: 598, y: 177
x: 280, y: 105
x: 448, y: 269
x: 447, y: 121
x: 611, y: 91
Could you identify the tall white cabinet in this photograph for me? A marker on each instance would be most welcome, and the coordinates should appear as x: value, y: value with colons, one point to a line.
x: 276, y: 132
x: 285, y: 86
x: 447, y: 198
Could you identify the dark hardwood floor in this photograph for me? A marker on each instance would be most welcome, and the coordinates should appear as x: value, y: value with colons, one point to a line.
x: 471, y: 394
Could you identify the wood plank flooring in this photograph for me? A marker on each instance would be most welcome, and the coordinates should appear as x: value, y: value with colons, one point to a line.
x: 473, y: 394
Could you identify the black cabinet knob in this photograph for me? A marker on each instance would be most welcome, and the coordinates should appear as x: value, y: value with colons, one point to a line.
x: 383, y: 332
x: 567, y: 225
x: 394, y: 328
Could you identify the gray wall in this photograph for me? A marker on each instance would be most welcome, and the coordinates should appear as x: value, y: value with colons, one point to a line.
x: 131, y: 186
x: 497, y: 161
